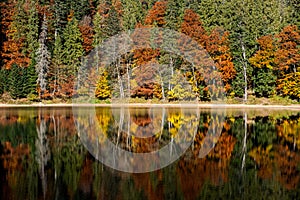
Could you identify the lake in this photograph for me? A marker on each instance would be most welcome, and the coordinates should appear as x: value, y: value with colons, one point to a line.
x: 149, y: 153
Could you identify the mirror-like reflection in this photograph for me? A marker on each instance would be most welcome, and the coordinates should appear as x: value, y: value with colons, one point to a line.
x: 255, y: 156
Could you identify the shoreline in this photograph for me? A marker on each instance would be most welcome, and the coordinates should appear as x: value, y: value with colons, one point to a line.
x: 207, y: 105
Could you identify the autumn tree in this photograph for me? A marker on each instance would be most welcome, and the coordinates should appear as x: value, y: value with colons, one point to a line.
x: 14, y: 45
x: 192, y: 27
x: 287, y: 59
x: 264, y: 64
x: 85, y: 26
x: 103, y: 90
x: 218, y: 48
x: 156, y: 15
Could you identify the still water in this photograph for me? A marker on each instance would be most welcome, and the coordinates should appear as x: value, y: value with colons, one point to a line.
x: 57, y: 153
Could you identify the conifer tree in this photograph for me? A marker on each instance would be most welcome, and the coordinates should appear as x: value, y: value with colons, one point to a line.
x: 32, y: 31
x: 73, y: 50
x: 174, y: 14
x: 15, y: 82
x: 42, y: 60
x: 132, y: 14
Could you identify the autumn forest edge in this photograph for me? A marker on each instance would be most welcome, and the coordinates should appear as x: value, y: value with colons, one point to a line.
x: 255, y: 45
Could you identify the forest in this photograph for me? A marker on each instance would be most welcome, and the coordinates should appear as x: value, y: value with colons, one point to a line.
x: 255, y: 45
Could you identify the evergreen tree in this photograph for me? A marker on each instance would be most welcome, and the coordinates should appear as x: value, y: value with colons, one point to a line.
x: 264, y: 82
x: 16, y: 82
x: 73, y: 50
x: 61, y: 10
x: 81, y: 8
x: 111, y: 25
x: 132, y: 14
x: 31, y: 78
x: 32, y: 31
x: 174, y: 14
x: 2, y: 81
x: 56, y: 72
x: 42, y: 60
x: 98, y: 33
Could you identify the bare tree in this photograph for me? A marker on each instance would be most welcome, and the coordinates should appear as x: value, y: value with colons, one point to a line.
x: 43, y: 59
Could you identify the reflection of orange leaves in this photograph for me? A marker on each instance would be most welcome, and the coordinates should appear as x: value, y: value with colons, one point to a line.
x: 13, y: 156
x: 223, y: 148
x: 262, y: 157
x: 287, y: 162
x: 145, y: 145
x: 86, y: 176
x: 194, y: 173
x: 143, y: 182
x: 289, y: 130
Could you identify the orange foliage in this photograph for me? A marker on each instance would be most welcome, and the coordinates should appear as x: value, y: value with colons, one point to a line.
x: 11, y: 51
x: 192, y: 27
x: 218, y: 47
x: 87, y: 33
x: 264, y: 57
x: 287, y: 56
x: 156, y: 14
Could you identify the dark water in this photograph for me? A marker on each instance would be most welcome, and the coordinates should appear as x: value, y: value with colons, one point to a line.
x: 50, y: 153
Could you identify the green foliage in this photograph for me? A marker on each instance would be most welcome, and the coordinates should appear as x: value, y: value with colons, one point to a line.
x: 111, y: 24
x: 264, y: 83
x: 238, y: 84
x: 98, y: 36
x: 72, y: 46
x: 32, y: 31
x: 133, y: 13
x: 30, y: 84
x: 3, y: 80
x: 81, y: 8
x: 174, y: 14
x: 16, y: 80
x: 61, y: 11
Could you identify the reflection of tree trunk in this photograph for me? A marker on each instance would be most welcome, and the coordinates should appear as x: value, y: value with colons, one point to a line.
x: 162, y: 122
x: 121, y: 121
x: 244, y: 149
x: 42, y: 151
x: 128, y: 132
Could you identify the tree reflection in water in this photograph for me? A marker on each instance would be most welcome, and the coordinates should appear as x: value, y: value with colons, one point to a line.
x: 256, y: 155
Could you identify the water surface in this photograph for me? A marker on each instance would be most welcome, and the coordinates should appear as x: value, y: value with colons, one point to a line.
x: 51, y: 153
